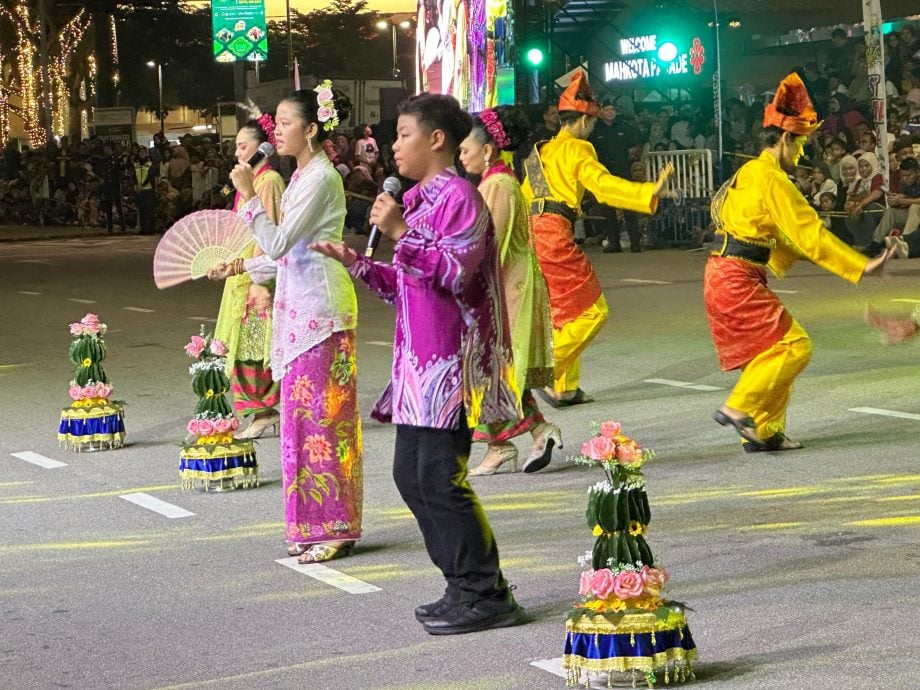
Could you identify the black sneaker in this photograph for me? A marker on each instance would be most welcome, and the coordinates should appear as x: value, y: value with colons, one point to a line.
x: 436, y: 609
x: 469, y: 617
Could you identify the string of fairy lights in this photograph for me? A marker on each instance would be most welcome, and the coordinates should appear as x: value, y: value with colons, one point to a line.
x: 28, y: 84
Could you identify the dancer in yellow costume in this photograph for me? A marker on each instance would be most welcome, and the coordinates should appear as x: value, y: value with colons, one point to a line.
x: 767, y: 222
x: 558, y: 173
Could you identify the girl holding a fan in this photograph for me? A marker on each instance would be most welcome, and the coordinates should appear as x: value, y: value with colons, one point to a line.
x: 244, y: 321
x: 313, y: 341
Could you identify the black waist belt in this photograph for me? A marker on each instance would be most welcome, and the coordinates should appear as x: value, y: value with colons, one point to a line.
x: 739, y: 249
x: 541, y: 206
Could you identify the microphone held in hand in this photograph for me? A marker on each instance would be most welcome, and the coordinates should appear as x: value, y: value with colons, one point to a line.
x: 264, y: 151
x: 391, y: 186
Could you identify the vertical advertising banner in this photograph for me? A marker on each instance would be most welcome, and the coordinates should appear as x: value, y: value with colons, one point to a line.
x: 875, y: 65
x: 238, y: 30
x: 462, y: 49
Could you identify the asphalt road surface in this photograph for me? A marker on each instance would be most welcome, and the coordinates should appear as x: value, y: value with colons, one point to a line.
x: 801, y: 569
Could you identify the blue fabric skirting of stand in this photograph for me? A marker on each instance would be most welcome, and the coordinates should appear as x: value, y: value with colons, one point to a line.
x: 108, y: 425
x: 627, y: 651
x: 240, y: 470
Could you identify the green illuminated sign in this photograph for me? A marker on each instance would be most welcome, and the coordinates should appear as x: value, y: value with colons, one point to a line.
x: 238, y: 30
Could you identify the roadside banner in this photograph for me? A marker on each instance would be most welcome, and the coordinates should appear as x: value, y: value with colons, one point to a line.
x: 875, y: 64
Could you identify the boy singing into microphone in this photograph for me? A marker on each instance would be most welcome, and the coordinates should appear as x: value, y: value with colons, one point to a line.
x: 451, y: 358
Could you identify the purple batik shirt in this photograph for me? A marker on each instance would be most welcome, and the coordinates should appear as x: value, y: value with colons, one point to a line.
x: 451, y: 348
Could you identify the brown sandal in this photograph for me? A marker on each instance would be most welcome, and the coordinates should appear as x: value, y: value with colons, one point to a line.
x: 320, y: 553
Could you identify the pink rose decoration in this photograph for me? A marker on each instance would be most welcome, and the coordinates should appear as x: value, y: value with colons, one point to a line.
x: 584, y: 587
x: 603, y: 583
x: 205, y: 427
x: 218, y: 348
x: 76, y: 329
x: 192, y: 426
x: 628, y: 585
x: 222, y: 426
x: 324, y: 95
x: 234, y: 424
x: 195, y: 346
x: 324, y: 113
x: 610, y: 429
x: 654, y: 579
x: 76, y: 392
x: 599, y: 448
x: 90, y: 319
x: 105, y: 390
x: 628, y: 453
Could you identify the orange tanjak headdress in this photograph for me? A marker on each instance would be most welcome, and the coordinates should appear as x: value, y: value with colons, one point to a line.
x: 578, y: 96
x: 791, y: 109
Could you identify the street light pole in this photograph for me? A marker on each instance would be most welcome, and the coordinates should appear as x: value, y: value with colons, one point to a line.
x: 395, y: 66
x: 159, y: 66
x: 160, y: 89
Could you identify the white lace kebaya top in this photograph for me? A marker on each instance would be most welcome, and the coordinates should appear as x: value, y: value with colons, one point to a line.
x: 314, y: 295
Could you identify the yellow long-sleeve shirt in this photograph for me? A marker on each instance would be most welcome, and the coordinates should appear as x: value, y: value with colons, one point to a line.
x: 570, y: 166
x: 764, y: 207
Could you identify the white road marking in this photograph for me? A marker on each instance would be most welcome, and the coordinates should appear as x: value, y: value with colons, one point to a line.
x: 382, y: 343
x: 320, y: 572
x: 138, y: 309
x: 81, y: 301
x: 156, y: 505
x: 885, y: 413
x: 202, y: 318
x: 786, y: 292
x: 39, y: 460
x: 684, y: 384
x: 28, y: 292
x: 906, y: 299
x: 554, y: 666
x: 642, y: 281
x: 35, y: 261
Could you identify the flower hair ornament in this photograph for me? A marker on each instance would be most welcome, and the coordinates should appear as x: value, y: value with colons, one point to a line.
x: 493, y: 126
x: 326, y: 112
x: 264, y: 120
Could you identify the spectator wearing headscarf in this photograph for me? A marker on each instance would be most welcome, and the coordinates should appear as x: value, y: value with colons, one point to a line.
x: 869, y: 191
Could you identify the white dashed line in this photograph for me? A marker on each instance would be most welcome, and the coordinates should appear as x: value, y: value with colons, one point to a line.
x: 44, y: 262
x: 138, y: 309
x: 28, y: 292
x: 81, y: 301
x: 786, y: 292
x: 39, y: 460
x: 906, y: 299
x: 156, y: 505
x: 320, y: 572
x: 201, y: 318
x: 684, y: 384
x: 381, y: 343
x: 641, y: 281
x: 885, y: 413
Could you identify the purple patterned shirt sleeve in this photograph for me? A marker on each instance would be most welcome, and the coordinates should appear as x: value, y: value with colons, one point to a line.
x: 380, y: 277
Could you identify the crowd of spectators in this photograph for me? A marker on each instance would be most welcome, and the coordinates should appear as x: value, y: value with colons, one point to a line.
x: 103, y: 184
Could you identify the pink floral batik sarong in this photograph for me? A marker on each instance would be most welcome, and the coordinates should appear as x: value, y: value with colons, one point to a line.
x: 321, y: 443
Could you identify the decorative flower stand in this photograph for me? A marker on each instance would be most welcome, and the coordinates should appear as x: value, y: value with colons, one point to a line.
x: 622, y: 624
x: 219, y: 467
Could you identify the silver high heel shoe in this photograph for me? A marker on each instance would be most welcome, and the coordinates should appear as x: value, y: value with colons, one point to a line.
x: 497, y: 455
x: 259, y: 426
x: 545, y: 437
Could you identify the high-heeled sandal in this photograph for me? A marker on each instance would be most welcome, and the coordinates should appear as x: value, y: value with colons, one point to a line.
x: 497, y: 455
x: 320, y: 553
x: 545, y: 437
x: 294, y: 550
x: 259, y: 426
x: 743, y: 425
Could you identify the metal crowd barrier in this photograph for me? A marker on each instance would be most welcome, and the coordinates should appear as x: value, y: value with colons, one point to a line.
x: 683, y: 219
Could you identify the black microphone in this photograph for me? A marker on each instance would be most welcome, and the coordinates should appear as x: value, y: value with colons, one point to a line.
x: 265, y: 150
x: 391, y: 186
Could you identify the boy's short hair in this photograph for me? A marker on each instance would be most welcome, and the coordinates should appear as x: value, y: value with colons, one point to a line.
x: 437, y: 111
x: 829, y: 195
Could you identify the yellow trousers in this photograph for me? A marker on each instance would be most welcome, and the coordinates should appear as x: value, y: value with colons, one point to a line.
x: 766, y: 381
x: 571, y: 340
